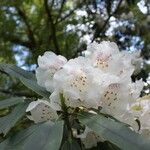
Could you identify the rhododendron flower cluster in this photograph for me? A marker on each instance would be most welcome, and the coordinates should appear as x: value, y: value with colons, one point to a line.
x: 100, y: 79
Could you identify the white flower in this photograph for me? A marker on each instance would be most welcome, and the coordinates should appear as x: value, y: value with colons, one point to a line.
x: 135, y: 88
x: 100, y: 54
x: 105, y: 48
x: 118, y: 97
x: 89, y: 138
x: 51, y: 61
x: 106, y: 57
x: 115, y: 100
x: 101, y: 78
x: 55, y: 100
x: 141, y: 110
x: 81, y: 84
x: 49, y: 64
x: 145, y: 118
x: 145, y: 133
x: 137, y: 62
x: 129, y: 119
x: 41, y: 111
x: 141, y: 105
x: 77, y: 83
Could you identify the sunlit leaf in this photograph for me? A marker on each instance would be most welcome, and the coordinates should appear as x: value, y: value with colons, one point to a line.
x: 70, y: 145
x: 46, y: 136
x: 26, y: 77
x: 115, y: 132
x: 10, y: 102
x: 7, y: 122
x: 35, y: 87
x: 17, y: 72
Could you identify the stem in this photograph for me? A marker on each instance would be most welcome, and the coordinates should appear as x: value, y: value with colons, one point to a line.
x: 66, y: 116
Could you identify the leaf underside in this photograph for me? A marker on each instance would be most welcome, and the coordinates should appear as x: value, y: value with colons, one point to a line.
x: 115, y: 132
x: 43, y: 136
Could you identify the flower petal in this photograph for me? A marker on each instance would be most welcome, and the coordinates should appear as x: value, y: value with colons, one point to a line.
x: 41, y: 111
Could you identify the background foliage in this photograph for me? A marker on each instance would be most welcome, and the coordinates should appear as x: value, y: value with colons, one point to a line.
x: 28, y: 28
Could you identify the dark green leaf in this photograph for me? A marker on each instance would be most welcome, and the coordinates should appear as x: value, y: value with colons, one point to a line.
x: 26, y: 77
x: 115, y: 132
x: 46, y: 136
x: 71, y: 145
x: 105, y: 146
x: 17, y: 72
x: 10, y: 102
x: 35, y: 87
x: 7, y: 122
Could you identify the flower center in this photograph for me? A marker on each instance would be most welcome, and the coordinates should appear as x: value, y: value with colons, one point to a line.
x: 101, y: 61
x: 53, y: 69
x: 80, y: 81
x: 111, y: 94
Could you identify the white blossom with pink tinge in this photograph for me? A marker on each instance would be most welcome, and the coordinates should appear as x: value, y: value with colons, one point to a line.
x: 49, y: 64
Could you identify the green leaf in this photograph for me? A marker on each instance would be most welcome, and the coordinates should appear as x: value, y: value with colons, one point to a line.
x: 35, y: 87
x: 46, y: 136
x: 26, y: 77
x: 71, y: 145
x: 115, y: 132
x: 17, y: 72
x: 7, y: 122
x: 105, y: 146
x: 10, y: 102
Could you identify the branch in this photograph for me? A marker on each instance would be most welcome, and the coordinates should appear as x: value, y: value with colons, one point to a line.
x: 66, y: 16
x: 52, y: 3
x: 60, y: 10
x: 98, y: 31
x: 70, y: 13
x: 29, y: 29
x: 3, y: 72
x: 16, y: 40
x: 52, y: 26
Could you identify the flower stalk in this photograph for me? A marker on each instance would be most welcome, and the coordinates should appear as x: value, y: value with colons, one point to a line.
x: 66, y: 116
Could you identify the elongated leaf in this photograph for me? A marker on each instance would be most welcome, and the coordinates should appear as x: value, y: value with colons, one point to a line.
x: 71, y: 145
x: 35, y: 87
x: 46, y: 136
x: 10, y: 102
x: 115, y: 132
x: 26, y: 77
x: 7, y: 122
x: 105, y: 146
x: 16, y: 71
